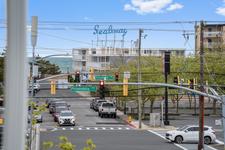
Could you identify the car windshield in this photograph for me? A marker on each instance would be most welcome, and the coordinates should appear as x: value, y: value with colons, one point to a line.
x: 182, y: 128
x: 60, y: 104
x: 66, y: 114
x: 107, y: 105
x: 58, y: 109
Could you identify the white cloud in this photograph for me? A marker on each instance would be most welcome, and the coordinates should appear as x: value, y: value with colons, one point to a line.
x: 221, y: 10
x: 128, y: 7
x: 174, y: 6
x: 151, y: 6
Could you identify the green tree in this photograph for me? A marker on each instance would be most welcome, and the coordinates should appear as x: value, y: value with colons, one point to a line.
x: 65, y: 144
x: 89, y: 145
x: 45, y: 67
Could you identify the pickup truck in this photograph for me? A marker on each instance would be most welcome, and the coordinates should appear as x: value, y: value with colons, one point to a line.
x: 107, y: 108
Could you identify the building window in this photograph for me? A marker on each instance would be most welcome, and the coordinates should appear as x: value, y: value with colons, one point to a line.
x: 210, y: 41
x: 93, y: 52
x: 210, y: 29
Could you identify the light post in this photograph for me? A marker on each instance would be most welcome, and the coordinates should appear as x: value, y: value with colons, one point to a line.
x: 33, y: 42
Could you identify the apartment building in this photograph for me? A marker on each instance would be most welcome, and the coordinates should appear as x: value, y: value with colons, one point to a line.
x: 213, y: 36
x: 106, y: 58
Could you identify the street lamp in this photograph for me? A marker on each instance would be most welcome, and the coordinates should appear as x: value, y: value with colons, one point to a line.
x: 33, y: 42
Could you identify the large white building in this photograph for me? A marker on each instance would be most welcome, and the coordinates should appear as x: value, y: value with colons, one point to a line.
x: 106, y: 58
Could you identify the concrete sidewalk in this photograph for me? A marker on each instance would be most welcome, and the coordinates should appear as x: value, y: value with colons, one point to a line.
x: 135, y: 123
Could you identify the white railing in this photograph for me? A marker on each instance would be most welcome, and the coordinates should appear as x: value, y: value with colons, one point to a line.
x: 213, y: 34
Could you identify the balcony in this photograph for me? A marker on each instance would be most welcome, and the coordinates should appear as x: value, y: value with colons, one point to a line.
x: 212, y: 44
x: 215, y: 34
x: 79, y: 58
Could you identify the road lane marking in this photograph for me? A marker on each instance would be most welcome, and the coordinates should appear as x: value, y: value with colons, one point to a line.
x: 219, y: 142
x: 63, y: 128
x: 54, y: 129
x: 96, y: 128
x: 120, y: 128
x: 103, y: 128
x: 71, y: 128
x: 88, y: 128
x: 111, y: 128
x: 79, y: 128
x: 166, y: 139
x: 127, y: 128
x: 211, y: 147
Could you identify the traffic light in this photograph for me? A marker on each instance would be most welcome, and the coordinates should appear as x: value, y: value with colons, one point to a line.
x: 166, y: 63
x: 101, y: 89
x: 191, y: 83
x: 70, y: 78
x: 53, y: 87
x: 116, y: 76
x: 91, y: 74
x: 77, y: 77
x: 175, y: 80
x: 125, y: 87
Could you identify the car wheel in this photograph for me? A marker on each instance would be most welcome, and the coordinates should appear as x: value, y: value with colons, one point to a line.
x: 179, y: 139
x: 207, y: 140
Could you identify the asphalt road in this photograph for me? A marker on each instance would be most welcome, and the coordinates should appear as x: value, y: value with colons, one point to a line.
x: 112, y: 139
x: 107, y: 133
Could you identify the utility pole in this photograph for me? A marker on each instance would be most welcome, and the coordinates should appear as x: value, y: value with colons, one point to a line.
x: 201, y: 99
x: 139, y: 78
x: 15, y: 76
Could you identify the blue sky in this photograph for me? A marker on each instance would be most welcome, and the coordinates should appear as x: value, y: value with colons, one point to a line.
x: 55, y: 41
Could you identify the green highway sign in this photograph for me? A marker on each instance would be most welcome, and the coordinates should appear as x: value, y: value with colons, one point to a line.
x: 84, y: 88
x: 104, y: 78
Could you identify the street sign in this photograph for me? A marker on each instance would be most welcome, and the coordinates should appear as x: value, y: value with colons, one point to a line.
x: 84, y: 88
x: 104, y: 78
x: 127, y: 74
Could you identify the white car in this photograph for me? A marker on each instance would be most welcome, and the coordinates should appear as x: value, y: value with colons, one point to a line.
x: 66, y: 117
x: 190, y: 133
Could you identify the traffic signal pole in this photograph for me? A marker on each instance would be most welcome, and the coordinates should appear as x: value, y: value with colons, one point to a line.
x: 166, y: 121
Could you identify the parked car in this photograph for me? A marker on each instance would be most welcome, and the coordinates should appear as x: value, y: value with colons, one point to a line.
x: 66, y: 117
x: 97, y: 103
x: 190, y: 133
x: 49, y: 101
x: 36, y: 88
x: 92, y: 103
x: 38, y: 118
x: 57, y: 111
x: 56, y: 104
x: 107, y: 108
